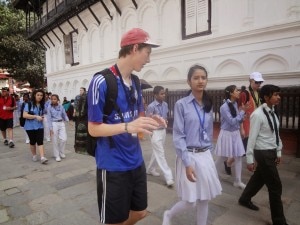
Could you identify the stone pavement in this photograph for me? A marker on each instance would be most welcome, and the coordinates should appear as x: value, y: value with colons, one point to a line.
x: 64, y: 193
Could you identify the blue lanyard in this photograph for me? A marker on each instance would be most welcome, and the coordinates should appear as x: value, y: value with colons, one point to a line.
x: 202, y: 121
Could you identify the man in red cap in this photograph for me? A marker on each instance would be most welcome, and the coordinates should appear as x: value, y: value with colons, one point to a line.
x: 7, y: 107
x: 121, y: 173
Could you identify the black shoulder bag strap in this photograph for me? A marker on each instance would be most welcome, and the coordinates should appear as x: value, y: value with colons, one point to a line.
x: 29, y: 106
x: 111, y: 95
x: 22, y: 108
x: 137, y: 83
x: 110, y: 98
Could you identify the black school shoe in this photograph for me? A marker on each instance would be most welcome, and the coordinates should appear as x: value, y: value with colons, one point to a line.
x: 248, y: 204
x: 227, y: 168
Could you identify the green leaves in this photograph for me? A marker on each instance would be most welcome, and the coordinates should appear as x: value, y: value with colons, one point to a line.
x: 24, y: 59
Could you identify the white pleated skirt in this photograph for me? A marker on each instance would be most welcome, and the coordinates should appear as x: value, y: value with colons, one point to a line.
x: 207, y: 185
x: 229, y: 144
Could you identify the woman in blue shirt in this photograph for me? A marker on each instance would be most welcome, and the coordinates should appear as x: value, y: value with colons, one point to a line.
x: 34, y: 115
x: 196, y: 176
x: 229, y: 143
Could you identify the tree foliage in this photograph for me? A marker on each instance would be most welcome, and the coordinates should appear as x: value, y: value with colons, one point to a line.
x: 24, y: 59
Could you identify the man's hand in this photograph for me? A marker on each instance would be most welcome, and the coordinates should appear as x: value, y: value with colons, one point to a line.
x: 143, y: 124
x: 251, y: 167
x: 161, y: 121
x: 278, y: 160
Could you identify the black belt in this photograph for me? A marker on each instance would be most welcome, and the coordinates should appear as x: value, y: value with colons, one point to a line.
x: 57, y: 120
x: 197, y: 149
x: 273, y: 150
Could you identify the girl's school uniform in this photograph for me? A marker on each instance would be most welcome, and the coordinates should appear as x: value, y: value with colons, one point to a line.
x: 192, y: 137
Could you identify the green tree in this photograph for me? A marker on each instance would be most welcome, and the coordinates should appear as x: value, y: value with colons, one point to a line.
x: 24, y: 59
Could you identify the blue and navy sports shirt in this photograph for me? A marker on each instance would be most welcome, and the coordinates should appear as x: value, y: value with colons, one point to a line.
x: 126, y: 153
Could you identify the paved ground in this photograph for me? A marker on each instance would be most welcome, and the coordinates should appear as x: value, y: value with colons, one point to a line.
x: 64, y: 193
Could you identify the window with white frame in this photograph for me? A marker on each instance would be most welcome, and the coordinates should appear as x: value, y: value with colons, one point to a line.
x: 71, y: 48
x: 74, y: 36
x: 196, y: 18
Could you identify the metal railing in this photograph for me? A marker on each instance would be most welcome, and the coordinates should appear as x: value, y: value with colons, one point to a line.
x: 288, y: 110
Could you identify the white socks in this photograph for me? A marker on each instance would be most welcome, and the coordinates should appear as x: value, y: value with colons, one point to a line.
x: 202, y: 210
x: 238, y: 169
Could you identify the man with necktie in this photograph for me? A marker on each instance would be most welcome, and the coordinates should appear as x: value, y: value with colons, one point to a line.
x: 264, y: 146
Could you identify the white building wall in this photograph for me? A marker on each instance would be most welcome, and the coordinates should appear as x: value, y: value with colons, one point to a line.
x: 247, y: 36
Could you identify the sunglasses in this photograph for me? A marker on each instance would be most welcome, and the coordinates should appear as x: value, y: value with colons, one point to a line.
x: 258, y: 82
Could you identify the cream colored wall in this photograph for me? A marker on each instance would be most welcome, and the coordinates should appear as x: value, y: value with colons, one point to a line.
x: 246, y: 36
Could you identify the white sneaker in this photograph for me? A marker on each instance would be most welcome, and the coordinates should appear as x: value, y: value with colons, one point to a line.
x: 170, y: 183
x: 166, y: 218
x: 62, y: 155
x: 153, y: 173
x: 240, y: 185
x: 58, y: 159
x: 35, y: 158
x: 48, y: 139
x: 44, y: 160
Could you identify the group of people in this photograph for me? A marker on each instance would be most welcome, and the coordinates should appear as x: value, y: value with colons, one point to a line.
x: 121, y: 170
x: 41, y: 117
x: 249, y: 126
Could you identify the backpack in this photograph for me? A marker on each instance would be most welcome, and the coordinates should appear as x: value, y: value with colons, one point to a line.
x: 244, y: 90
x: 22, y: 119
x: 90, y: 142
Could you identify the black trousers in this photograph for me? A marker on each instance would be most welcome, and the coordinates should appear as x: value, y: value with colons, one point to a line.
x: 266, y: 173
x: 245, y: 143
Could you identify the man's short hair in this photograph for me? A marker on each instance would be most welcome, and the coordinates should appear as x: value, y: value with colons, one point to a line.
x: 157, y: 89
x: 127, y: 49
x: 268, y: 90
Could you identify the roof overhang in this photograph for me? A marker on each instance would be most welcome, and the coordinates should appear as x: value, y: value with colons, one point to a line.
x: 23, y: 4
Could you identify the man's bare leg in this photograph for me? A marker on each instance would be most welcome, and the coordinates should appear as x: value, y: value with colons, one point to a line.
x: 135, y: 216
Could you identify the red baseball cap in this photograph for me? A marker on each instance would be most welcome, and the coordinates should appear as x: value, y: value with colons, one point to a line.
x: 137, y: 36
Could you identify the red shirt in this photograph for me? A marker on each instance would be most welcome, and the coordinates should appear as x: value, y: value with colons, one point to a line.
x: 6, y: 102
x: 248, y: 112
